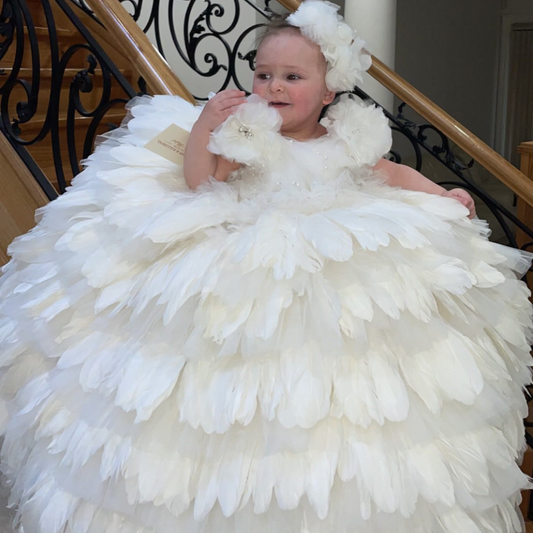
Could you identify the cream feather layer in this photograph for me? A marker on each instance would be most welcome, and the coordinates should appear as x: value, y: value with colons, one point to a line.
x: 344, y: 357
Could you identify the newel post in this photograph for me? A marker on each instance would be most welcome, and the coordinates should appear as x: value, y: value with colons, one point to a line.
x: 525, y: 215
x: 525, y: 211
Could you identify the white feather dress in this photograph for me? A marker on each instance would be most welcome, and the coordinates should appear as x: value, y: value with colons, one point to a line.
x: 301, y: 349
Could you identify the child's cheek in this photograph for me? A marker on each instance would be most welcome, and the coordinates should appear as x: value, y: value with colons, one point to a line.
x: 256, y: 88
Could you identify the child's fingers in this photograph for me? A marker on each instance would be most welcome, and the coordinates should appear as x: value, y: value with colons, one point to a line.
x: 469, y: 204
x: 228, y: 93
x: 455, y: 196
x: 231, y: 91
x: 464, y: 198
x: 218, y: 101
x: 232, y: 110
x: 227, y: 112
x: 230, y: 102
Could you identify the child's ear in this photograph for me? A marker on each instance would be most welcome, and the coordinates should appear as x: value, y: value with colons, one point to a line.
x: 328, y: 97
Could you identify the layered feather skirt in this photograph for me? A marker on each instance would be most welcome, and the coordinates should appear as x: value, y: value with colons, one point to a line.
x: 259, y: 355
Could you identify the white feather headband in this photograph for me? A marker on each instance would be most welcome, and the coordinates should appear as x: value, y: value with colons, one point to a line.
x: 319, y: 21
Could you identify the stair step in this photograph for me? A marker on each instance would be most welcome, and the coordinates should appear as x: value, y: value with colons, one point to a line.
x: 89, y: 100
x: 60, y: 18
x: 42, y: 152
x: 66, y: 37
x: 62, y: 33
x: 35, y: 125
x: 69, y: 73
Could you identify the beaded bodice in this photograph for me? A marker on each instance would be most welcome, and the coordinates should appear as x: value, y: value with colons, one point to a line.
x: 358, y: 136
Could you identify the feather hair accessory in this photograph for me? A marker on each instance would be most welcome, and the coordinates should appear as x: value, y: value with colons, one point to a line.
x: 346, y: 58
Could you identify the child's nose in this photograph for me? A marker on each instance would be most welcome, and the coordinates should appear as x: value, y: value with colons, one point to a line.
x: 276, y: 85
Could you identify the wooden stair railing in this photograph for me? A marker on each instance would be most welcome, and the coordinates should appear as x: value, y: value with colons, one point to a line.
x: 456, y: 132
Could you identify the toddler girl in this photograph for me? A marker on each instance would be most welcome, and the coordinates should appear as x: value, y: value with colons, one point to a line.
x: 286, y: 334
x: 290, y: 75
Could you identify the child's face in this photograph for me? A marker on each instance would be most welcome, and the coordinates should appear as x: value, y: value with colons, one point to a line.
x: 290, y: 74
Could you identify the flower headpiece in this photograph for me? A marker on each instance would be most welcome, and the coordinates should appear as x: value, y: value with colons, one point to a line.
x: 319, y: 21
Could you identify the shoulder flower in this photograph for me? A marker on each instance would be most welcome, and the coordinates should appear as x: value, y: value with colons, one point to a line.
x: 363, y: 127
x: 250, y: 134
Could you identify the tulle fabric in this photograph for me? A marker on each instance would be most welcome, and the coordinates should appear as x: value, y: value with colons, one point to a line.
x: 301, y: 349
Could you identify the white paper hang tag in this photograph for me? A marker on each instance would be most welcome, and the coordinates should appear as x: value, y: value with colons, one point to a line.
x: 170, y: 144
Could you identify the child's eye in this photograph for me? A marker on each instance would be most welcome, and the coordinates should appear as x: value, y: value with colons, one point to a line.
x: 293, y: 77
x: 263, y: 76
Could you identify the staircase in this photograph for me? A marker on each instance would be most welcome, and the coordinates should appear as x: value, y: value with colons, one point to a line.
x: 42, y: 152
x: 71, y: 88
x: 63, y: 97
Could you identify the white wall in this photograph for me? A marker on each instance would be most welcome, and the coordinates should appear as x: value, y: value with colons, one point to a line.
x: 375, y: 23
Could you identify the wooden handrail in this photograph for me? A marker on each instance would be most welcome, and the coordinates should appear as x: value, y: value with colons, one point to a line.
x: 524, y: 210
x: 461, y: 136
x: 456, y: 132
x: 138, y: 49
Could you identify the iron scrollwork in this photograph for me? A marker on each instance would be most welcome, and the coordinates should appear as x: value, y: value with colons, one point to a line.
x: 25, y: 106
x: 211, y: 41
x: 418, y: 137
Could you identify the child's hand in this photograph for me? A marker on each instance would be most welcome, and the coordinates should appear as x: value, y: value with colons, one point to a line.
x: 220, y: 107
x: 463, y: 197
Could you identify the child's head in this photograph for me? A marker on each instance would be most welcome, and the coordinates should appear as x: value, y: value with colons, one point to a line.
x: 290, y: 74
x: 291, y: 67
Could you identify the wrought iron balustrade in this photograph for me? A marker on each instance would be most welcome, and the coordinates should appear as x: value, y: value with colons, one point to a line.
x: 32, y: 114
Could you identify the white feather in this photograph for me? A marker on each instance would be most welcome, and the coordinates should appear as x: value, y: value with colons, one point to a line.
x: 389, y: 386
x: 431, y: 475
x: 328, y: 238
x: 458, y: 520
x: 59, y: 509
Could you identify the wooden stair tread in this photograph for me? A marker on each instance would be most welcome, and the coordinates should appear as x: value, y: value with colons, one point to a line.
x: 42, y: 31
x: 36, y: 123
x: 65, y: 33
x: 26, y: 72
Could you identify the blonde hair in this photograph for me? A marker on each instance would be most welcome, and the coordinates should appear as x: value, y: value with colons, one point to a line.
x: 280, y: 25
x: 275, y: 27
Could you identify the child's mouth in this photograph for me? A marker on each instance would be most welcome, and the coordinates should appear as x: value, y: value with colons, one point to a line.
x: 278, y: 104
